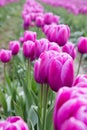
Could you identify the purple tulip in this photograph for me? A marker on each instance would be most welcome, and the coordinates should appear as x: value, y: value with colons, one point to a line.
x: 29, y: 50
x: 70, y: 49
x: 57, y: 33
x: 5, y: 55
x: 41, y: 66
x: 62, y: 34
x: 50, y: 18
x: 29, y: 35
x: 54, y: 46
x: 14, y: 46
x: 61, y: 71
x: 13, y: 123
x: 41, y: 46
x: 73, y: 102
x: 81, y: 81
x: 39, y: 21
x: 82, y: 45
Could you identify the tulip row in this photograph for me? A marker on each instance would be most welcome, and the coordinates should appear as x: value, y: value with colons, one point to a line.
x: 74, y: 6
x: 5, y: 2
x: 33, y: 14
x: 53, y: 60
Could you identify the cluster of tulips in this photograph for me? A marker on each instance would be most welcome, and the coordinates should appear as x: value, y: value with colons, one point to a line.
x: 5, y: 2
x: 74, y: 6
x: 33, y: 14
x: 53, y: 60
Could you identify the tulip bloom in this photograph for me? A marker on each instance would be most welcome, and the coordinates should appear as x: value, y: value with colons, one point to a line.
x: 82, y: 45
x: 29, y: 50
x: 13, y: 123
x: 41, y: 46
x: 14, y: 46
x: 61, y: 71
x: 71, y: 101
x: 70, y: 49
x: 39, y: 21
x: 81, y: 81
x: 5, y: 55
x: 41, y: 66
x: 29, y: 35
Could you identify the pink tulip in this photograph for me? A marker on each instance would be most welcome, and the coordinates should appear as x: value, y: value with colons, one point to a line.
x: 81, y: 81
x: 5, y: 55
x: 70, y: 49
x: 54, y: 46
x: 73, y: 102
x: 82, y: 45
x: 62, y: 34
x: 13, y: 123
x: 61, y: 71
x: 14, y: 46
x: 41, y: 66
x: 29, y: 50
x: 39, y: 21
x: 29, y: 35
x: 41, y: 46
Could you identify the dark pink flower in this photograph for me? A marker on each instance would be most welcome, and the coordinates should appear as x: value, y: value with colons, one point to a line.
x: 41, y: 66
x: 82, y: 45
x: 71, y: 101
x: 13, y: 123
x: 70, y: 49
x: 5, y: 55
x: 29, y: 35
x: 29, y: 50
x: 41, y: 46
x: 14, y: 46
x: 61, y: 71
x: 39, y: 21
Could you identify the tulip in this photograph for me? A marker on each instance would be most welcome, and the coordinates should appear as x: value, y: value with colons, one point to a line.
x: 61, y: 71
x: 5, y: 55
x: 29, y: 50
x: 70, y: 49
x: 82, y: 45
x: 29, y: 35
x: 39, y: 21
x: 41, y: 66
x: 73, y: 102
x: 80, y: 80
x: 14, y: 46
x: 13, y: 123
x: 54, y: 46
x: 62, y: 34
x: 41, y: 46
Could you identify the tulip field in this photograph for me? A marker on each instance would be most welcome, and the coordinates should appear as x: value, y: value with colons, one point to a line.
x: 43, y: 65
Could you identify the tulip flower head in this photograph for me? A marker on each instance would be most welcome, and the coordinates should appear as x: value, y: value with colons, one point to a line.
x: 70, y: 49
x: 73, y: 102
x: 5, y: 55
x: 14, y: 46
x: 13, y: 123
x: 29, y: 50
x: 61, y: 71
x: 82, y: 45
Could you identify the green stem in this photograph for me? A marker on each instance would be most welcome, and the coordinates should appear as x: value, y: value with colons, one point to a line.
x: 29, y: 75
x: 4, y: 75
x: 46, y: 88
x: 80, y: 61
x: 41, y: 103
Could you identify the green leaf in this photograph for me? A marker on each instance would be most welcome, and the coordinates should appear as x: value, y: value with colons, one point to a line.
x: 3, y: 101
x: 18, y: 110
x: 49, y: 122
